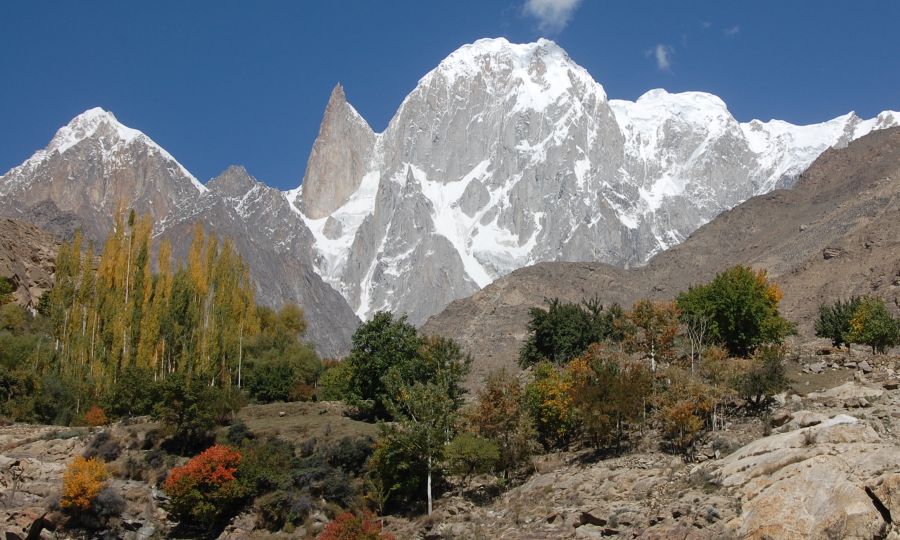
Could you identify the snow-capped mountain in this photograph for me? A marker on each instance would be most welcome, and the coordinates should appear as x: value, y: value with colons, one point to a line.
x: 506, y: 155
x: 502, y: 156
x: 95, y: 165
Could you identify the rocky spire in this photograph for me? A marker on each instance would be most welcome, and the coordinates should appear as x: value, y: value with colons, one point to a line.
x: 339, y: 158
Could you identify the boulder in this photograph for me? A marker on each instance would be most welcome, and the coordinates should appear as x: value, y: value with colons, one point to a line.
x: 864, y: 366
x: 846, y: 391
x: 810, y: 482
x: 802, y: 419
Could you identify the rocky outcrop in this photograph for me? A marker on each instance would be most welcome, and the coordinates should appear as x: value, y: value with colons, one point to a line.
x: 810, y: 482
x: 27, y: 260
x: 339, y: 158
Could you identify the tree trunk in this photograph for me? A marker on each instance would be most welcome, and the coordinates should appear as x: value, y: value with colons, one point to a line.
x: 240, y: 352
x: 429, y: 486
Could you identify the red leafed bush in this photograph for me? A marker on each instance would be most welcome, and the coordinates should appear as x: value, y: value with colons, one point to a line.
x: 206, y: 488
x: 349, y: 526
x: 95, y: 416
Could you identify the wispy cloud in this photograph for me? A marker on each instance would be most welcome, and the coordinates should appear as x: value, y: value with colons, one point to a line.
x: 662, y: 53
x: 705, y: 24
x: 731, y: 32
x: 552, y: 15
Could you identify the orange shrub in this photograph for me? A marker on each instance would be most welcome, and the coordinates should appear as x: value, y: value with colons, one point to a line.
x: 95, y: 417
x: 82, y: 481
x: 348, y: 526
x: 206, y: 487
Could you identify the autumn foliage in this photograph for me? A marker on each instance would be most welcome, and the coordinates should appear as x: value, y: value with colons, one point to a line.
x: 349, y: 526
x: 206, y: 487
x: 83, y: 480
x: 95, y: 416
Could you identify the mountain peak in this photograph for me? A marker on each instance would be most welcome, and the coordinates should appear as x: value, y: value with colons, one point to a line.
x: 98, y: 122
x: 87, y: 124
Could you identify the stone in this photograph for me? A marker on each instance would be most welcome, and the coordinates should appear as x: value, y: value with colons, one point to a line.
x: 590, y: 531
x: 865, y: 367
x: 848, y: 390
x: 888, y: 492
x: 891, y: 385
x: 780, y: 418
x: 832, y: 253
x: 804, y: 419
x: 817, y: 367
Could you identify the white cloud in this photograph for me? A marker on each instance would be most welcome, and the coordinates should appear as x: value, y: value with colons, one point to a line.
x: 731, y: 32
x: 552, y: 15
x: 705, y: 24
x: 662, y: 53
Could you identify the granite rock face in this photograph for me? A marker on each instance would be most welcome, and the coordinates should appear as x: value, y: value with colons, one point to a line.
x: 27, y: 260
x: 507, y: 155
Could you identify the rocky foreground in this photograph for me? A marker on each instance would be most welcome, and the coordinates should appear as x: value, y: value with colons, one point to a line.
x: 824, y: 464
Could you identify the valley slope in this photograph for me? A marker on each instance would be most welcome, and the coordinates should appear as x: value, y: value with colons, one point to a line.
x: 835, y: 234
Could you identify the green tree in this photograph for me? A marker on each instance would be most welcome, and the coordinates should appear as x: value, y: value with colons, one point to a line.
x: 834, y: 320
x: 426, y: 413
x: 468, y: 454
x: 564, y: 330
x: 742, y: 308
x: 874, y: 326
x: 380, y: 346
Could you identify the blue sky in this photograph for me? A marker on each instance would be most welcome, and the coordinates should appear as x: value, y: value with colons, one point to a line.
x: 227, y: 82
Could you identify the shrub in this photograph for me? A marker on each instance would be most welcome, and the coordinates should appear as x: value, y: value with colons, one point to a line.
x: 322, y: 480
x: 278, y: 508
x: 109, y: 503
x: 350, y: 453
x: 103, y: 446
x: 267, y: 465
x: 56, y: 401
x: 468, y: 455
x: 83, y: 480
x: 742, y: 308
x: 131, y: 394
x: 764, y: 377
x: 95, y: 417
x: 278, y: 379
x: 396, y: 475
x: 349, y: 526
x: 238, y: 433
x: 684, y: 407
x: 206, y: 489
